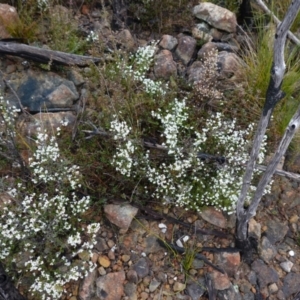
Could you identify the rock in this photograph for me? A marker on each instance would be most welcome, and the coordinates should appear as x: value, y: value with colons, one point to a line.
x: 197, y: 264
x: 130, y: 291
x: 84, y: 255
x: 229, y: 262
x: 185, y: 48
x: 276, y: 231
x: 294, y: 219
x: 110, y: 286
x: 120, y: 215
x: 8, y: 19
x: 199, y: 34
x: 168, y: 42
x: 287, y: 266
x: 207, y: 48
x: 126, y: 39
x: 267, y: 250
x: 40, y: 91
x: 264, y: 273
x: 220, y: 281
x: 230, y: 293
x: 76, y: 78
x: 273, y: 288
x: 152, y: 245
x: 47, y: 121
x: 154, y: 284
x: 291, y: 284
x: 87, y: 289
x: 101, y: 244
x: 230, y: 65
x: 216, y: 16
x: 141, y: 267
x: 164, y: 65
x: 254, y: 229
x: 213, y: 216
x: 196, y: 289
x: 104, y: 261
x: 178, y: 286
x: 132, y: 276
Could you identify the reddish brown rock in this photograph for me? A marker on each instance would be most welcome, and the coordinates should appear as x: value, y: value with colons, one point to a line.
x: 110, y: 286
x: 168, y: 42
x: 229, y: 262
x: 213, y: 216
x: 164, y: 65
x: 120, y: 215
x: 221, y: 281
x: 86, y: 288
x: 8, y: 19
x: 186, y: 47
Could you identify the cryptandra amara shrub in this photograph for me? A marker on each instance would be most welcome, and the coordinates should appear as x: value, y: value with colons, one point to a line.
x: 184, y: 179
x: 41, y: 231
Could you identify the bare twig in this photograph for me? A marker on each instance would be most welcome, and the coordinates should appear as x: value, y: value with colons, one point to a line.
x: 264, y: 7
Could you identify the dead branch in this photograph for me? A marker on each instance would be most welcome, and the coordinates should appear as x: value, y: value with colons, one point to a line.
x: 273, y: 96
x: 45, y: 56
x: 264, y: 7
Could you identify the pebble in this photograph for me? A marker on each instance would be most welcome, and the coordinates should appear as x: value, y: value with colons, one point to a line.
x: 104, y: 261
x: 287, y: 266
x: 178, y: 286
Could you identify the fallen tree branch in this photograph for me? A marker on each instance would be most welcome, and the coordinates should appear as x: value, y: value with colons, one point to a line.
x: 203, y: 156
x: 46, y: 56
x: 264, y: 7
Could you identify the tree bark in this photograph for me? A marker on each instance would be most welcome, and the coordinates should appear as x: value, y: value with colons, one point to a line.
x: 273, y: 96
x: 45, y: 56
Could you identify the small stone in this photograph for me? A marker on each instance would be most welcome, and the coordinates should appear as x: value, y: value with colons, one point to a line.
x: 287, y: 266
x: 254, y: 229
x: 132, y: 276
x: 130, y: 290
x: 141, y: 267
x: 111, y: 255
x: 104, y: 261
x: 101, y: 271
x: 125, y: 258
x: 94, y: 257
x: 294, y: 219
x: 84, y: 255
x: 154, y: 284
x: 178, y: 286
x: 186, y: 47
x: 213, y: 216
x: 264, y: 273
x: 267, y: 250
x: 228, y: 261
x: 273, y: 288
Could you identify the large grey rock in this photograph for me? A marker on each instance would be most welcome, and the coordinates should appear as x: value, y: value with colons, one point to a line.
x: 264, y: 273
x: 291, y: 284
x: 216, y: 16
x: 41, y: 91
x: 141, y: 267
x: 276, y: 231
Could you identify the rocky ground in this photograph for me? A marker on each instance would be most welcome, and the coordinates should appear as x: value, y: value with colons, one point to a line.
x: 168, y: 253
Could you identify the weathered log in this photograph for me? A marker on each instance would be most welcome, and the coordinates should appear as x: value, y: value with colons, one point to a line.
x: 46, y: 56
x: 7, y: 289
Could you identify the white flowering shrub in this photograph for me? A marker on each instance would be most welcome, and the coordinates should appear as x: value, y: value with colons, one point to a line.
x: 189, y: 177
x: 41, y: 228
x: 139, y: 65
